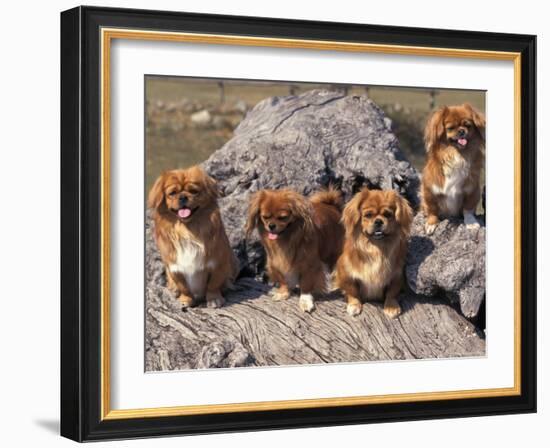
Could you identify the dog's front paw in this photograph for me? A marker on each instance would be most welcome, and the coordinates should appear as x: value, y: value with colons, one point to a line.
x: 185, y: 300
x: 281, y: 294
x: 354, y: 309
x: 392, y: 309
x: 431, y: 224
x: 470, y: 220
x: 214, y: 300
x: 306, y: 303
x: 430, y: 228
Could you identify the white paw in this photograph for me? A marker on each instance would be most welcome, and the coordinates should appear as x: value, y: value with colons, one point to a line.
x: 430, y: 228
x: 306, y: 303
x: 215, y: 301
x: 354, y: 309
x: 470, y: 220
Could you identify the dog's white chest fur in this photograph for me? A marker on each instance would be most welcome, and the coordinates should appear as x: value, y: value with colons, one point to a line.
x: 190, y: 261
x: 373, y: 276
x: 453, y: 189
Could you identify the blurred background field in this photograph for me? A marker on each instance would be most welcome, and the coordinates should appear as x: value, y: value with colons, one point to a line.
x: 187, y: 119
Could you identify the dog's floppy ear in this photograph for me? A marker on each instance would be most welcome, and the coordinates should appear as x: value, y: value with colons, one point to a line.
x: 301, y: 207
x: 403, y: 213
x: 254, y: 212
x: 478, y: 118
x: 351, y: 214
x: 435, y: 129
x: 156, y: 195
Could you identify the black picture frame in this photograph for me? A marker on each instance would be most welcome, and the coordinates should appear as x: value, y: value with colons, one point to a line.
x: 81, y: 224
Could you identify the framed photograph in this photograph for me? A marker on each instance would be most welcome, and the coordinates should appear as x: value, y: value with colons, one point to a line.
x: 276, y: 224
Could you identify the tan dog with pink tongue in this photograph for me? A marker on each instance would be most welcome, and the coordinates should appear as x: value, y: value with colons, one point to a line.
x: 190, y: 236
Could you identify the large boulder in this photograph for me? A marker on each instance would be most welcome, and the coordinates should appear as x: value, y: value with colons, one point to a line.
x: 449, y: 263
x: 306, y: 142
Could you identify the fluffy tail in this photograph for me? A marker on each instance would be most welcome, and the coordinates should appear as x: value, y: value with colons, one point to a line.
x: 329, y: 196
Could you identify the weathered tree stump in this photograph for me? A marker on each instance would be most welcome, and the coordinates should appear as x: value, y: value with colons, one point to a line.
x: 254, y: 330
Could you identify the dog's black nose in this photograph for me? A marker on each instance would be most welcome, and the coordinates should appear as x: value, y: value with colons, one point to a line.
x: 183, y: 200
x: 461, y: 133
x: 378, y: 222
x: 271, y: 226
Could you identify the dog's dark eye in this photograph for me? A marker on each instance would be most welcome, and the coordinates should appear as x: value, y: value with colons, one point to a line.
x: 172, y: 194
x: 266, y: 216
x: 193, y: 191
x: 369, y: 215
x: 467, y: 124
x: 283, y: 218
x: 387, y: 213
x: 450, y: 128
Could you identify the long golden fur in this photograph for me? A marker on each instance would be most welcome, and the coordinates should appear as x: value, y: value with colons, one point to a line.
x: 302, y: 238
x: 377, y: 225
x: 190, y: 236
x: 454, y: 138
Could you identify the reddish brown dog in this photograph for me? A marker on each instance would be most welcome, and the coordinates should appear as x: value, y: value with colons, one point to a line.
x: 377, y: 226
x: 190, y: 236
x: 454, y: 138
x: 302, y: 237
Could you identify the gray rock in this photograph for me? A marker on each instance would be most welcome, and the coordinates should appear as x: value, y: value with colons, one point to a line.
x: 450, y: 262
x: 201, y: 118
x: 305, y: 142
x: 252, y: 329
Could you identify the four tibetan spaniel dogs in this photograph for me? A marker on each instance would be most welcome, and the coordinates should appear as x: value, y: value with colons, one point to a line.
x: 302, y: 238
x: 377, y: 227
x: 305, y: 239
x: 454, y: 138
x: 190, y: 236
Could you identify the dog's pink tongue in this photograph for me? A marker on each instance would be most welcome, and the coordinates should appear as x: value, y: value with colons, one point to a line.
x: 272, y: 236
x: 184, y: 212
x: 462, y: 141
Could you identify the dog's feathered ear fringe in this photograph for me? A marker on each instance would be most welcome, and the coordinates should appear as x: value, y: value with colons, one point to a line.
x: 403, y: 213
x: 478, y: 118
x: 435, y: 129
x: 156, y: 195
x: 253, y: 212
x: 351, y: 214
